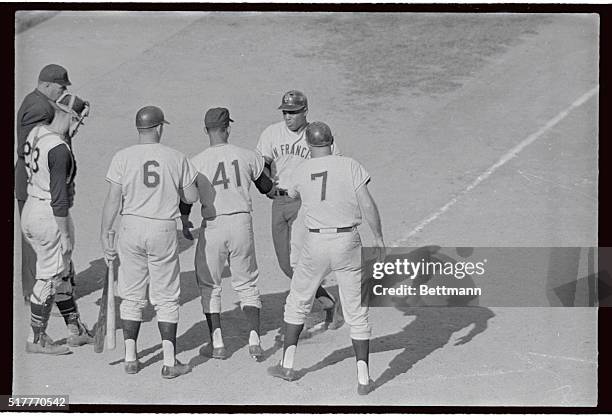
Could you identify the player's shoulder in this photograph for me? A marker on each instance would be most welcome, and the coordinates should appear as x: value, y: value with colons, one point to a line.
x: 245, y: 153
x: 171, y: 151
x: 273, y: 131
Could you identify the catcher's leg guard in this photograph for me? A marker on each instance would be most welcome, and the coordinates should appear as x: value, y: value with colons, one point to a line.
x: 41, y: 303
x: 78, y: 334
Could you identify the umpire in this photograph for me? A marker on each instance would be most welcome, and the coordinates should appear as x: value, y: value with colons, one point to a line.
x: 35, y: 109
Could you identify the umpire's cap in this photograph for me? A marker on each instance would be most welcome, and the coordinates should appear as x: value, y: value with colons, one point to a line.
x: 318, y: 134
x: 150, y: 116
x: 54, y: 73
x: 293, y: 101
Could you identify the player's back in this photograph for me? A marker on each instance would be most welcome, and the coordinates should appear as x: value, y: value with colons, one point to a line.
x: 226, y: 172
x: 327, y: 186
x: 40, y: 142
x: 150, y: 175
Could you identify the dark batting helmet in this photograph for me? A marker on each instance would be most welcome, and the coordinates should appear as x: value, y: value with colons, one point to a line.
x: 149, y: 116
x: 293, y: 101
x: 318, y: 134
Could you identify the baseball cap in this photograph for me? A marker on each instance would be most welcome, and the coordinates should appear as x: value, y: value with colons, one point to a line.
x: 217, y: 117
x: 54, y: 73
x: 293, y: 100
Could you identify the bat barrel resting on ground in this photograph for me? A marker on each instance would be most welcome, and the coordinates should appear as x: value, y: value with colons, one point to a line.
x: 105, y: 326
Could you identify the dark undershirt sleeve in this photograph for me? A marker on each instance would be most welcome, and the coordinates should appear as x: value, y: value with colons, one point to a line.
x: 185, y: 208
x: 263, y: 183
x: 60, y: 164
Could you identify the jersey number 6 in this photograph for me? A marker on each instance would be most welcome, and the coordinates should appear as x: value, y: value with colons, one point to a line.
x: 323, y: 175
x: 150, y: 177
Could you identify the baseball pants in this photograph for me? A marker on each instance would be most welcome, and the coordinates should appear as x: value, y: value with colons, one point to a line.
x: 41, y: 231
x: 288, y: 232
x: 148, y: 254
x: 227, y: 238
x: 28, y: 256
x: 321, y: 254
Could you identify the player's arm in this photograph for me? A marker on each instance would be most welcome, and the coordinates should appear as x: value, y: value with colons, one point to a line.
x: 112, y: 204
x: 60, y: 165
x: 261, y: 173
x: 370, y: 212
x: 189, y: 194
x: 185, y: 210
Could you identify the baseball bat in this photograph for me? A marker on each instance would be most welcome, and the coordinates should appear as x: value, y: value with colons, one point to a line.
x: 100, y: 331
x: 110, y: 306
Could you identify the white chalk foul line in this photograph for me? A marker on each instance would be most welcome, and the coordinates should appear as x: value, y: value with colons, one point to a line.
x: 502, y: 161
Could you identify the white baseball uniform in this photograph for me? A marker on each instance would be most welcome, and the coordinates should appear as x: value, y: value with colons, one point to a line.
x: 285, y: 150
x: 327, y: 186
x: 226, y: 172
x: 38, y: 220
x: 150, y: 176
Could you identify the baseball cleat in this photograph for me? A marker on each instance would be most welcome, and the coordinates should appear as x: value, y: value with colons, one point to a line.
x: 131, y: 367
x: 79, y: 334
x: 281, y: 372
x: 79, y: 340
x: 178, y: 369
x: 256, y: 351
x: 216, y: 353
x: 363, y: 389
x: 219, y: 353
x: 46, y: 346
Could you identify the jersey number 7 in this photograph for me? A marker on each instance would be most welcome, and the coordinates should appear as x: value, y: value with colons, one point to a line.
x: 323, y: 175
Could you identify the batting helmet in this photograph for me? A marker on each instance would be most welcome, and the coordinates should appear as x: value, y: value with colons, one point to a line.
x: 149, y: 116
x: 293, y: 101
x: 318, y: 134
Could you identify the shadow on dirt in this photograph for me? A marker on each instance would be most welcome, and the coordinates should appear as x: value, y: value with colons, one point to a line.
x: 431, y: 329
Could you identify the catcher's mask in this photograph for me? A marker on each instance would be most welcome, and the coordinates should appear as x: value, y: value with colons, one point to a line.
x: 76, y: 107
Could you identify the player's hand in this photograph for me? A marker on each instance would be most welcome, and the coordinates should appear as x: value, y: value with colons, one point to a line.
x: 66, y: 244
x: 381, y: 251
x: 272, y: 193
x: 186, y: 230
x: 109, y: 251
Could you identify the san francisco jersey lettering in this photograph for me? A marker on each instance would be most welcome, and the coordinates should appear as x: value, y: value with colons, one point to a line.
x: 285, y: 150
x: 149, y: 175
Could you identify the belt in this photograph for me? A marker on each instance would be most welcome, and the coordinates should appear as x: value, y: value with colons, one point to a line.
x: 280, y: 192
x: 331, y: 230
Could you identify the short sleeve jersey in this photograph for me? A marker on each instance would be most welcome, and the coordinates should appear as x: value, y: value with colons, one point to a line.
x: 150, y: 176
x: 225, y: 175
x: 328, y: 188
x: 40, y: 142
x: 285, y: 149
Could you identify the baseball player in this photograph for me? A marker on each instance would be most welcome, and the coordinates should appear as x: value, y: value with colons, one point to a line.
x: 47, y: 225
x: 34, y: 110
x: 334, y: 195
x: 146, y: 181
x: 226, y: 172
x: 284, y: 147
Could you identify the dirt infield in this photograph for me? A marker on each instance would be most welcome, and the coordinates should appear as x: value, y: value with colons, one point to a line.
x: 427, y: 102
